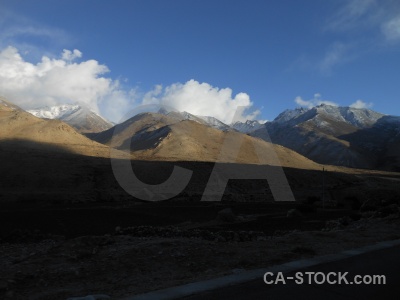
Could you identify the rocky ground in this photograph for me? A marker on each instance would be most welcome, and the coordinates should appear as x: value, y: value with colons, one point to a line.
x: 138, y: 259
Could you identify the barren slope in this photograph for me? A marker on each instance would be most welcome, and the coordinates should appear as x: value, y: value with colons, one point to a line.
x: 79, y: 117
x: 342, y: 136
x: 21, y: 129
x: 153, y: 136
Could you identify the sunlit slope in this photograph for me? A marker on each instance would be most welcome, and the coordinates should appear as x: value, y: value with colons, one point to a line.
x: 152, y: 136
x: 21, y: 129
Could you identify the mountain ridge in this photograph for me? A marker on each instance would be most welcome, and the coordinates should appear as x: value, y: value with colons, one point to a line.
x: 325, y: 134
x: 169, y: 137
x: 21, y: 131
x: 329, y: 134
x: 80, y: 117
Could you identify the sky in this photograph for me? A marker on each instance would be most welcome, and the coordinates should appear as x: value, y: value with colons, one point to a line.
x: 205, y: 57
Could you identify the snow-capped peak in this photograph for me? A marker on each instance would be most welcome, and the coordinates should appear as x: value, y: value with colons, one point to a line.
x: 359, y: 117
x: 81, y: 118
x: 206, y: 120
x: 290, y: 114
x: 248, y: 126
x: 214, y: 122
x: 54, y: 112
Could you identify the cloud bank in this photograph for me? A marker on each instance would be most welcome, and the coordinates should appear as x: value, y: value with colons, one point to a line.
x: 202, y: 99
x: 60, y: 81
x: 64, y: 80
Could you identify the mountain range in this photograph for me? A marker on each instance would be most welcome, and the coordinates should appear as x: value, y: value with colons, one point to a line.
x: 343, y: 136
x: 47, y: 160
x: 325, y: 134
x: 182, y: 136
x: 248, y: 126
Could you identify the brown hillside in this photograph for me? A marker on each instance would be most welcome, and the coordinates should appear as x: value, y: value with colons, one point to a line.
x: 152, y: 136
x: 30, y: 131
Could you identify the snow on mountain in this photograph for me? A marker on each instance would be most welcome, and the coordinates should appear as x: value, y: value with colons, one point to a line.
x: 205, y: 120
x: 215, y: 123
x: 345, y: 136
x: 79, y: 117
x: 290, y: 114
x: 189, y: 116
x: 248, y: 126
x: 360, y: 118
x: 54, y: 112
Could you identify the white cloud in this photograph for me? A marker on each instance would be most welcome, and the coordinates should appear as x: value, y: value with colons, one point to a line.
x: 203, y: 99
x: 151, y: 97
x: 58, y: 81
x: 304, y: 103
x: 361, y: 104
x: 391, y: 29
x: 54, y: 81
x: 71, y: 55
x: 315, y: 101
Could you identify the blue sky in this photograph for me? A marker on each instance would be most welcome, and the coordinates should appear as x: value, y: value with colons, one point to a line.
x: 205, y: 56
